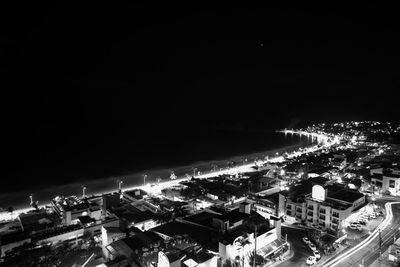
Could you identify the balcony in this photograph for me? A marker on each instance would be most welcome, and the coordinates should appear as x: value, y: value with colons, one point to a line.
x: 310, y: 207
x: 322, y: 218
x: 322, y: 211
x: 310, y: 214
x: 335, y: 214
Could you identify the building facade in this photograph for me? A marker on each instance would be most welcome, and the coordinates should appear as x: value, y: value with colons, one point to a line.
x: 320, y: 211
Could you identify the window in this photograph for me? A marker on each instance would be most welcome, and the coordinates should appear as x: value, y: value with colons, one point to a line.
x: 322, y: 211
x: 310, y: 214
x: 311, y: 207
x: 392, y: 183
x: 335, y: 214
x: 289, y: 213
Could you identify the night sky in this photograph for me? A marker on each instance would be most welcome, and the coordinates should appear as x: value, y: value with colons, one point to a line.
x: 146, y: 75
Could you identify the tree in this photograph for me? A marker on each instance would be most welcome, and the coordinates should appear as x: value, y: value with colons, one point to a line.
x: 242, y: 242
x: 259, y: 259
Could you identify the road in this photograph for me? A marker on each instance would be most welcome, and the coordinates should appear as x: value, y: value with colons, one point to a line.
x: 369, y: 250
x: 300, y: 249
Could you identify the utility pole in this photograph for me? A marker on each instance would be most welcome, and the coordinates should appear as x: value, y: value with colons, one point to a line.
x: 255, y: 245
x: 380, y: 243
x: 83, y: 191
x: 120, y: 182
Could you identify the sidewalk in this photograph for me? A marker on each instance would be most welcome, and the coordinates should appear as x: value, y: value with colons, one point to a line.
x: 286, y: 257
x: 341, y: 249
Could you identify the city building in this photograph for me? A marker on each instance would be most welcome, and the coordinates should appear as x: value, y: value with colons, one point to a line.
x: 70, y: 208
x: 386, y: 181
x: 322, y: 210
x: 108, y: 236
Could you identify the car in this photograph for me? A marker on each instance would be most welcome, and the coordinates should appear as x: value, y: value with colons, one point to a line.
x: 311, y: 260
x: 306, y: 240
x: 362, y: 222
x: 317, y: 255
x: 353, y: 227
x: 312, y: 246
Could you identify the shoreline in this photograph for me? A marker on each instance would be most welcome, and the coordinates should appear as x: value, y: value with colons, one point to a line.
x: 179, y: 171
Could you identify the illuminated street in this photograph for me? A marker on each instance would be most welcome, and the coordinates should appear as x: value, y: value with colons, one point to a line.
x: 369, y: 249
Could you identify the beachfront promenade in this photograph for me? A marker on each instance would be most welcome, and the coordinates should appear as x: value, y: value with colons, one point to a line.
x: 156, y: 188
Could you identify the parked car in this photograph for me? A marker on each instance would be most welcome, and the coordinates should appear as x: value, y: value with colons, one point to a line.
x: 312, y: 246
x: 311, y: 260
x: 317, y: 255
x: 353, y: 227
x: 306, y: 240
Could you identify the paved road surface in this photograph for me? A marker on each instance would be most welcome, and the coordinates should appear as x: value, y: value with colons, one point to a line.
x: 371, y: 252
x: 300, y: 249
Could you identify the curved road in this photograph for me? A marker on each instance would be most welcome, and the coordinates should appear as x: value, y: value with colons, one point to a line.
x: 368, y: 250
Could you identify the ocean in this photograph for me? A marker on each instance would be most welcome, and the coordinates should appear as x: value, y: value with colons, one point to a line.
x: 203, y: 152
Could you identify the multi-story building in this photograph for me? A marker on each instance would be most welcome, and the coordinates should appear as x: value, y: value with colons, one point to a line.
x: 318, y: 209
x: 70, y: 208
x: 387, y: 181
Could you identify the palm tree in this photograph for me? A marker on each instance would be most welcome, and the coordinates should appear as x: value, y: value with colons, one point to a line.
x: 259, y: 260
x: 242, y: 242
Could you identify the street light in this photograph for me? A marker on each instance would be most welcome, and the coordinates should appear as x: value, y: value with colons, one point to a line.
x: 144, y: 179
x: 83, y: 191
x: 120, y: 182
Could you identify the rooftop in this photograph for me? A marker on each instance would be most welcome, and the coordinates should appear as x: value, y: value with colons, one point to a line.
x: 200, y: 234
x: 13, y: 237
x: 347, y: 195
x: 202, y: 218
x: 233, y: 216
x: 136, y: 193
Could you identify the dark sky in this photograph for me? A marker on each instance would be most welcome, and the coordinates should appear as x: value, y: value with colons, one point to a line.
x: 71, y: 72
